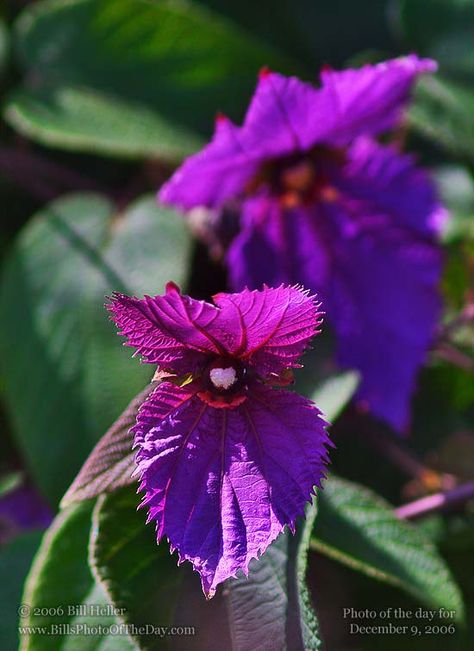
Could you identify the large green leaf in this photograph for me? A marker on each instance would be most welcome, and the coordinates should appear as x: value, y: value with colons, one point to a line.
x: 66, y: 376
x: 130, y: 77
x: 61, y: 591
x: 274, y: 602
x: 138, y: 576
x: 360, y: 529
x: 15, y: 560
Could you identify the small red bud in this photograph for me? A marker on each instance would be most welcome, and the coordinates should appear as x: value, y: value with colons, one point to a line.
x: 221, y: 118
x: 172, y: 287
x: 264, y: 73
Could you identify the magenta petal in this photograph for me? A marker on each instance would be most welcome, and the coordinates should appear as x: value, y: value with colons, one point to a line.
x: 274, y: 325
x: 221, y: 484
x: 288, y: 115
x: 384, y: 304
x: 383, y: 297
x: 393, y: 185
x: 213, y: 175
x: 285, y: 115
x: 169, y: 330
x: 278, y: 246
x: 370, y: 99
x: 269, y: 328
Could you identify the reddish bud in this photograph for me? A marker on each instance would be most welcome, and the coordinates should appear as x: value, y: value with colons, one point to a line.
x: 264, y: 72
x: 220, y: 118
x: 325, y: 68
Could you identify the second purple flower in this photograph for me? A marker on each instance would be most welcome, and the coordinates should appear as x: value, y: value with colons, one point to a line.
x: 322, y: 203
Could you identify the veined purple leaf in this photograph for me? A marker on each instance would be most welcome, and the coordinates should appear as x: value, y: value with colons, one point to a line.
x: 221, y: 484
x: 111, y: 463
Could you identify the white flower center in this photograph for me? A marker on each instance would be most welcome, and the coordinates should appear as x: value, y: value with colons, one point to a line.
x: 223, y: 378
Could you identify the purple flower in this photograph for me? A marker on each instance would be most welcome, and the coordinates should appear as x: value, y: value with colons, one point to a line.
x: 322, y: 203
x: 225, y: 460
x: 22, y: 509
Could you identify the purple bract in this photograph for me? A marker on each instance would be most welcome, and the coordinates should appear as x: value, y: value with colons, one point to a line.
x: 322, y: 203
x: 225, y: 459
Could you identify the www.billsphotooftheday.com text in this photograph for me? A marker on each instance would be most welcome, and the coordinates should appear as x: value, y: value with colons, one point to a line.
x: 72, y: 620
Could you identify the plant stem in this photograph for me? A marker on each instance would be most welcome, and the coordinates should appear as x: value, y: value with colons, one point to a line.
x: 406, y: 461
x: 437, y: 502
x: 456, y: 357
x: 42, y: 178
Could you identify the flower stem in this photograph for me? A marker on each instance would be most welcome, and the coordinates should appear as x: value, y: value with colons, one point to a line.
x: 437, y: 502
x: 42, y: 178
x: 406, y: 461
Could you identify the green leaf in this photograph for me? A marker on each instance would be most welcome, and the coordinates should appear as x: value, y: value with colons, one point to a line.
x: 359, y: 529
x: 456, y: 187
x: 138, y: 576
x: 64, y: 380
x: 130, y: 77
x: 443, y: 112
x: 334, y: 394
x: 87, y: 120
x: 274, y: 602
x: 15, y: 560
x: 10, y: 482
x: 61, y: 591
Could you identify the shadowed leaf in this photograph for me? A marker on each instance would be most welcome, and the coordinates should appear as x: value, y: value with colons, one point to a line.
x: 272, y: 609
x: 130, y: 77
x: 359, y: 529
x: 138, y: 576
x: 61, y: 592
x: 110, y: 464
